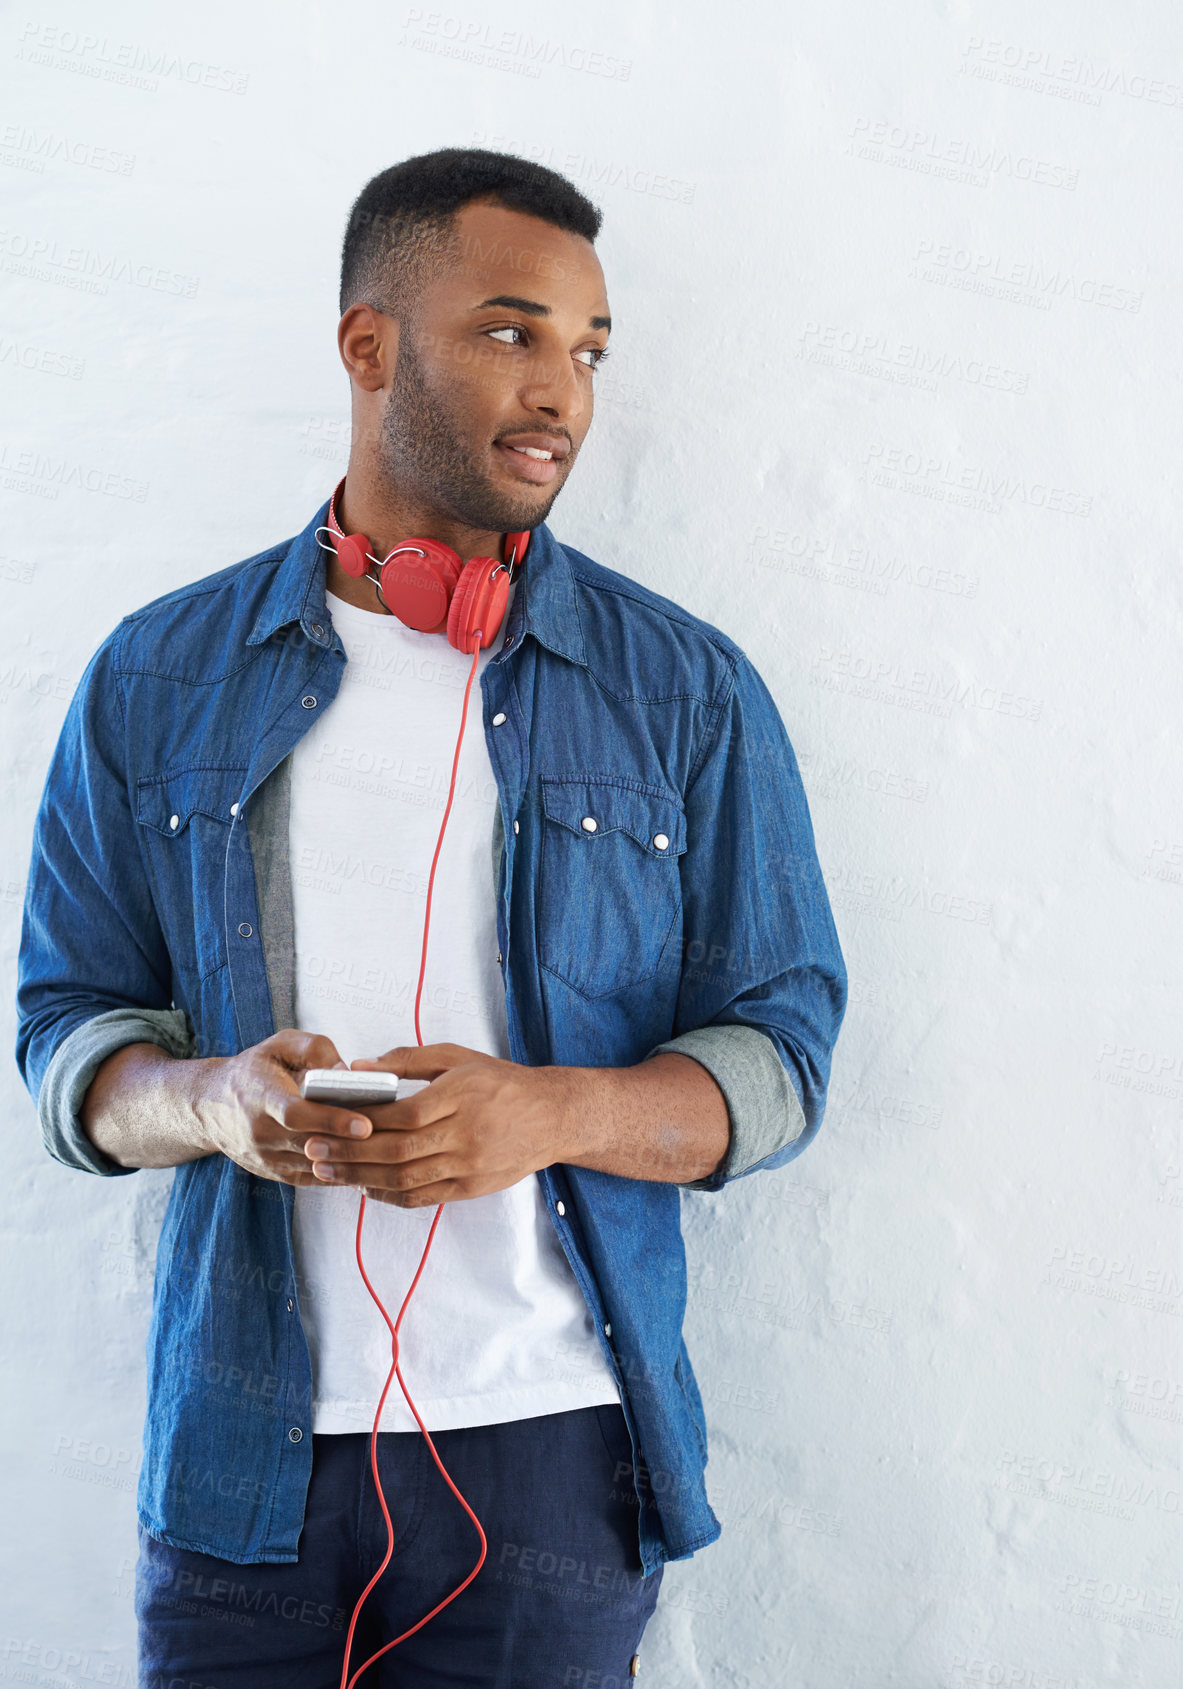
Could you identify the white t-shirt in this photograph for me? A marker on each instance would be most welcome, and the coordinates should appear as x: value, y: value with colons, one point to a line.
x: 498, y: 1328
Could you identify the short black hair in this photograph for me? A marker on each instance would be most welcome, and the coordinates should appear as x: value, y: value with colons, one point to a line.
x: 399, y: 221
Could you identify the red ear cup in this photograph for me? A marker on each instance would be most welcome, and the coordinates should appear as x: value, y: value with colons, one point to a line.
x: 353, y: 554
x: 478, y: 602
x: 417, y: 588
x: 481, y: 595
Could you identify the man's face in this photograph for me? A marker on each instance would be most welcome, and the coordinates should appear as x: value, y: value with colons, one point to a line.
x: 500, y: 356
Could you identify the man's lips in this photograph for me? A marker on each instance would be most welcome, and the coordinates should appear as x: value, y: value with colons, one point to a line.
x: 534, y: 457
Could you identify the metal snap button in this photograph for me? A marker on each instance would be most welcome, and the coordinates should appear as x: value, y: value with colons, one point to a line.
x: 308, y: 701
x: 318, y: 630
x: 246, y: 929
x: 660, y: 841
x: 291, y: 1304
x: 499, y: 958
x: 499, y: 718
x: 174, y: 821
x: 588, y: 823
x: 295, y: 1435
x: 234, y: 809
x: 559, y: 1209
x: 608, y: 1329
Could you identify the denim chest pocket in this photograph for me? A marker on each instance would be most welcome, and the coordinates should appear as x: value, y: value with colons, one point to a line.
x: 186, y: 816
x: 609, y: 889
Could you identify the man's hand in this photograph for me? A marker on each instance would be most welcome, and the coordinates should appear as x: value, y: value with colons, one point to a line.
x: 481, y: 1125
x: 250, y: 1107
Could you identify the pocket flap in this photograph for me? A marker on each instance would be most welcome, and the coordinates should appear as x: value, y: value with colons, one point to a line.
x: 648, y: 813
x: 167, y: 802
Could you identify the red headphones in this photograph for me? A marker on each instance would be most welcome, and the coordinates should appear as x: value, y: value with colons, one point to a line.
x: 424, y: 583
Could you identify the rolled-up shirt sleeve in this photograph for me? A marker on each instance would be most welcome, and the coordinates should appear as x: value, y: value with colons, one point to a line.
x: 764, y: 985
x: 76, y: 1061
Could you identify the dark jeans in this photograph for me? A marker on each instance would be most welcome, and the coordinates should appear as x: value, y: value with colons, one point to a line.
x: 559, y: 1601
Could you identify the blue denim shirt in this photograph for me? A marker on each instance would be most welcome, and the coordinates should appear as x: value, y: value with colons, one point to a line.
x: 693, y: 918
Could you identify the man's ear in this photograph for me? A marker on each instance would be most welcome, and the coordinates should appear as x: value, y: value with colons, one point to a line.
x: 367, y: 340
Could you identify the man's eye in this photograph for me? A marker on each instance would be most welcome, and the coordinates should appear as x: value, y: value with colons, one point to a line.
x: 591, y: 356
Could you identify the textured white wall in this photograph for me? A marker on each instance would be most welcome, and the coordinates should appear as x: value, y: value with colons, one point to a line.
x: 894, y: 402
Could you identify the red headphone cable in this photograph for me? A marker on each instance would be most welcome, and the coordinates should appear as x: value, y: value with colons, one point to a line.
x: 348, y: 1682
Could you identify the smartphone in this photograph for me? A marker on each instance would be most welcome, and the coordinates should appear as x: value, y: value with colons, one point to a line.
x: 345, y: 1088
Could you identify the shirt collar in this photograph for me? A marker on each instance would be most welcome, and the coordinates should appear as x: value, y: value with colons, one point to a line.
x: 544, y: 604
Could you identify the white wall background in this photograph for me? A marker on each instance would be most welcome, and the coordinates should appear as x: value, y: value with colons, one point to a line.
x: 894, y: 401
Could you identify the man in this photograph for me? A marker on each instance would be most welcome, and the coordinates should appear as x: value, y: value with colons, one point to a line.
x: 227, y: 889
